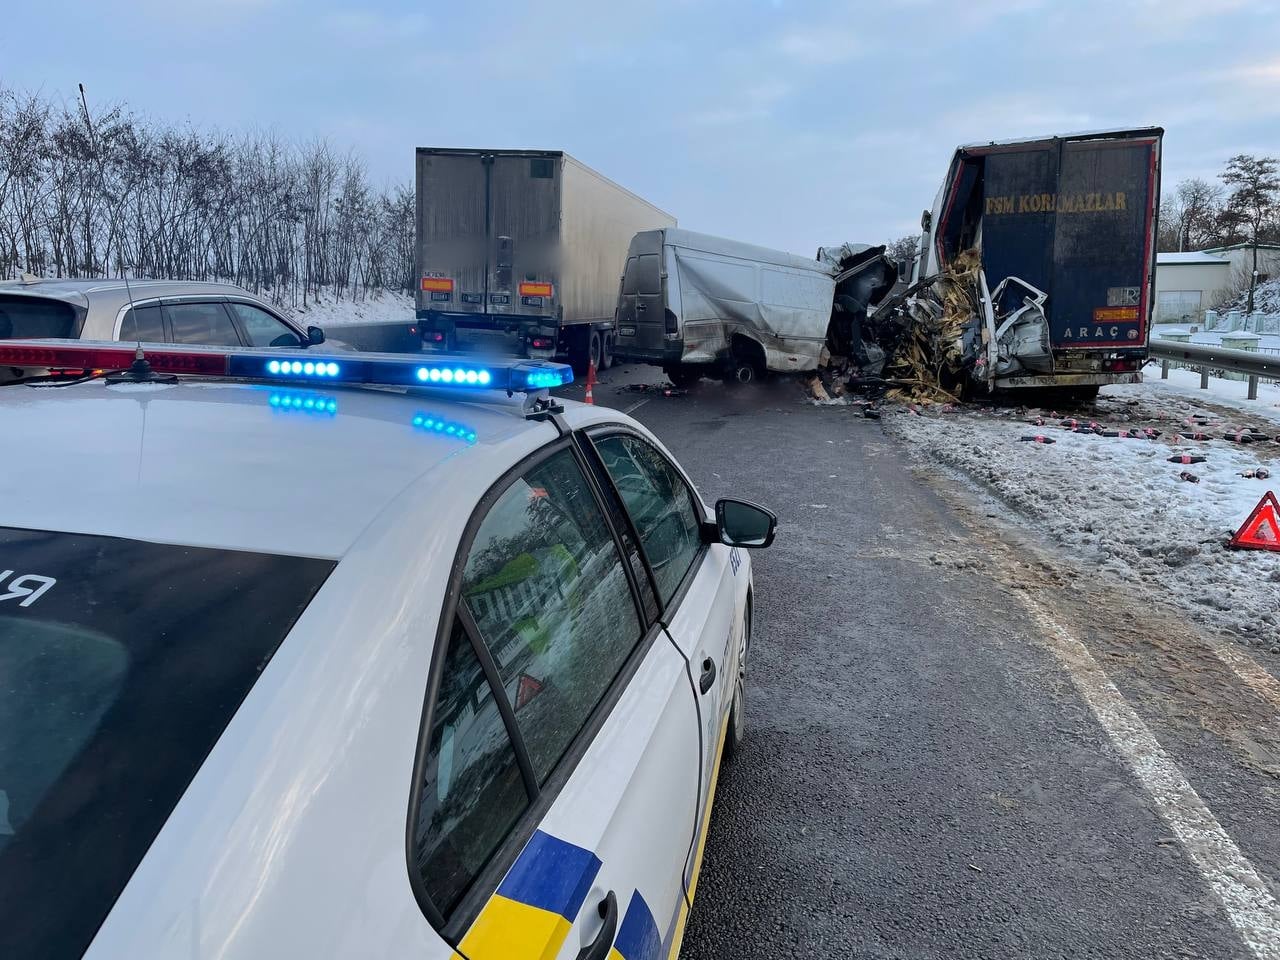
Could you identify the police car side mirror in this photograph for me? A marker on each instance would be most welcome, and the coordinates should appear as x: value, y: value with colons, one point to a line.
x: 743, y: 524
x: 315, y: 336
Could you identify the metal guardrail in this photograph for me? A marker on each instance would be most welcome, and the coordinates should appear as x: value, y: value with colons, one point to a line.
x: 1208, y: 357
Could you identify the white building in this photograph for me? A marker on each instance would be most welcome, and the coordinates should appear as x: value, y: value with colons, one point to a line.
x: 1241, y: 257
x: 1188, y: 284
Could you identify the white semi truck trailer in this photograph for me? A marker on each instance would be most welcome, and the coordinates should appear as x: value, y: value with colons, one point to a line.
x: 519, y: 252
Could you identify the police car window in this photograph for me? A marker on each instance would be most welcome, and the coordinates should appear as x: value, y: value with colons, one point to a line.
x: 661, y: 506
x: 143, y: 323
x: 472, y: 790
x: 546, y: 587
x: 120, y: 664
x: 262, y: 329
x: 201, y: 323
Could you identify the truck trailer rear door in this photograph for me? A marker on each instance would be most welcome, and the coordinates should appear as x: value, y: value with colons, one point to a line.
x: 452, y: 231
x: 1102, y: 247
x: 524, y: 234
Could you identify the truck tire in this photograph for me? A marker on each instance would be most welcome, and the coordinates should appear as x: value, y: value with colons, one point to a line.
x: 593, y: 351
x: 683, y: 376
x: 606, y: 351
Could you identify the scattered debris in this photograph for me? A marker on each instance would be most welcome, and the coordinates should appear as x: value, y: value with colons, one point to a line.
x: 1188, y: 476
x: 1188, y: 458
x: 1038, y: 438
x: 1257, y: 473
x: 1246, y: 435
x: 665, y: 389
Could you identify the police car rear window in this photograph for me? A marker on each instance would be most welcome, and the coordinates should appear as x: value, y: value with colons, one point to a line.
x: 23, y: 318
x: 120, y: 664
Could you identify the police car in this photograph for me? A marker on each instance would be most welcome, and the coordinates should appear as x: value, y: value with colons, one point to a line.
x: 352, y: 656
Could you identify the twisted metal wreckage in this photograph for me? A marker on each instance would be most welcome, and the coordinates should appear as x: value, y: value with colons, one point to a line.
x: 1063, y: 226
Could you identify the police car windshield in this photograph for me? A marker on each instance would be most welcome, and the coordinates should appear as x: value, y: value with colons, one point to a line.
x: 120, y: 664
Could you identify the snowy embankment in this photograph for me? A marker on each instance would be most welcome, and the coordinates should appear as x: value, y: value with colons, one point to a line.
x: 1119, y: 505
x: 386, y: 306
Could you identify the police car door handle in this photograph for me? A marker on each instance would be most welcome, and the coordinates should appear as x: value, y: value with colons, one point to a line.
x: 598, y: 949
x: 708, y: 674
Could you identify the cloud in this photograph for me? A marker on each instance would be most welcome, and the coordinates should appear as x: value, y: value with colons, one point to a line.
x: 819, y: 46
x: 752, y: 103
x: 367, y: 28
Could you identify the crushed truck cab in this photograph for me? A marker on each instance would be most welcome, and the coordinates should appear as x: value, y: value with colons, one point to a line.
x: 1055, y: 237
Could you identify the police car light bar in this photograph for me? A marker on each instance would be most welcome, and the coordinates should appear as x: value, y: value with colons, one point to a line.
x: 294, y: 366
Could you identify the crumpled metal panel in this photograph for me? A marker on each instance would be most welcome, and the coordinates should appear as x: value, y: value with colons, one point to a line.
x: 785, y: 309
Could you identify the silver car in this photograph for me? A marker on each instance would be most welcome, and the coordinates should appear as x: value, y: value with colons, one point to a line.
x: 159, y: 311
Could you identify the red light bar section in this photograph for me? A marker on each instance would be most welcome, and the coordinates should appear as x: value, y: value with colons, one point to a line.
x: 109, y: 358
x: 437, y: 284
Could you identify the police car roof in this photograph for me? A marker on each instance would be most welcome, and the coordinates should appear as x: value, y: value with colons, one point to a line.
x: 257, y: 467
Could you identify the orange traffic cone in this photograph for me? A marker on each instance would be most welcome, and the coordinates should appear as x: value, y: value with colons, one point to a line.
x: 591, y: 380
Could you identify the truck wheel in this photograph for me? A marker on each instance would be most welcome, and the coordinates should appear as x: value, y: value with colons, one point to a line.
x: 593, y: 353
x: 606, y: 352
x: 683, y: 376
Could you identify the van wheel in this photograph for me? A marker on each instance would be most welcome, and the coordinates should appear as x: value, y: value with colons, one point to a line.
x: 741, y: 372
x: 683, y: 376
x: 606, y: 352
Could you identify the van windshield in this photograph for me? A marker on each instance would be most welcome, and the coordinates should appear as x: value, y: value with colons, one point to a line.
x: 25, y: 318
x: 120, y: 664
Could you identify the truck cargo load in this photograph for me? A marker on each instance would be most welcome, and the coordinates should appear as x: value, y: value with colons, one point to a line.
x: 519, y: 252
x: 1036, y: 267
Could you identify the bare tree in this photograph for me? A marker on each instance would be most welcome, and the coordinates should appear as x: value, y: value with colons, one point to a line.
x: 1189, y: 219
x: 1253, y: 203
x: 904, y: 249
x: 87, y: 192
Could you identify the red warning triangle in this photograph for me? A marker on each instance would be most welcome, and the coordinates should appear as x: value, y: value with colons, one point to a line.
x: 527, y: 688
x: 1262, y: 530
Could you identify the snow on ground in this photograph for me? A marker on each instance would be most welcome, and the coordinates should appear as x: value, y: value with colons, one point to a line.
x: 382, y: 307
x: 1185, y: 385
x: 1118, y: 505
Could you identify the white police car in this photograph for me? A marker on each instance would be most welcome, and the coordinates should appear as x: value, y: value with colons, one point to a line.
x: 292, y: 667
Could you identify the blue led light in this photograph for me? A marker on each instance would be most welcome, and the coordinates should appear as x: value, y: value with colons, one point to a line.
x: 448, y: 428
x: 306, y: 368
x: 485, y: 377
x: 308, y: 403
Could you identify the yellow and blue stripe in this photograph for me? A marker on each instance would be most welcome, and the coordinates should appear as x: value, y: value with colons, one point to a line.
x: 530, y: 914
x: 638, y: 936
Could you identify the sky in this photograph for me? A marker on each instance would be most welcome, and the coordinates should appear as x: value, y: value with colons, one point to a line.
x: 784, y: 123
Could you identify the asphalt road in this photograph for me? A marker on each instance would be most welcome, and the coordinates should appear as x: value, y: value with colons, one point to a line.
x: 933, y: 766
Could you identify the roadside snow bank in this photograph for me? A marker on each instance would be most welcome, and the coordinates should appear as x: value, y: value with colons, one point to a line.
x: 1119, y: 505
x: 383, y: 307
x: 1185, y: 385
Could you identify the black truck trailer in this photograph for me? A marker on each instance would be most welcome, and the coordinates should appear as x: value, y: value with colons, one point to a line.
x: 1062, y: 233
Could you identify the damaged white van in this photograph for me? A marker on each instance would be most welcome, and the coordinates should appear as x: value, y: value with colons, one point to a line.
x: 698, y: 305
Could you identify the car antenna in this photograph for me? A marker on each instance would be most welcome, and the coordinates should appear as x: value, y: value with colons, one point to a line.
x: 140, y: 370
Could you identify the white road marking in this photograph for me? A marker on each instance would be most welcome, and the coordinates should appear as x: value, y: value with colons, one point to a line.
x: 1244, y: 894
x: 637, y: 405
x: 1254, y: 675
